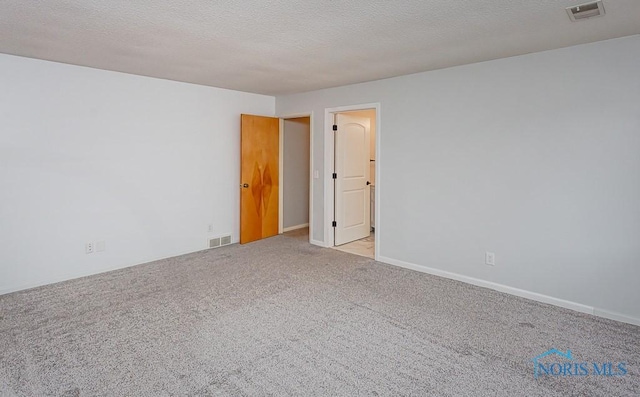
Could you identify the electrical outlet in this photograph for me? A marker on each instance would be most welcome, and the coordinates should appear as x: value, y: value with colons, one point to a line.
x: 101, y: 246
x: 490, y: 258
x: 211, y: 228
x: 88, y: 248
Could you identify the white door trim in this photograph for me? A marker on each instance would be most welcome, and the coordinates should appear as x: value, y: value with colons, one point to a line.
x: 281, y: 177
x: 281, y: 180
x: 328, y: 170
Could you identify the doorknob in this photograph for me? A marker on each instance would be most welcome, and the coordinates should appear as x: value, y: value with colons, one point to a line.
x: 244, y: 185
x: 368, y: 183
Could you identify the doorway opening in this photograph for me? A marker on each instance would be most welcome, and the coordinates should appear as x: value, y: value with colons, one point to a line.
x: 276, y: 182
x: 296, y: 175
x: 296, y: 181
x: 354, y: 181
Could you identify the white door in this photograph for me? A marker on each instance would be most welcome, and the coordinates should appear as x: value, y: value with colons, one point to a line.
x: 352, y: 197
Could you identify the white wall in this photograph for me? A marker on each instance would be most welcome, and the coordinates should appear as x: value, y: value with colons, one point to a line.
x: 296, y: 136
x: 87, y: 155
x: 536, y: 158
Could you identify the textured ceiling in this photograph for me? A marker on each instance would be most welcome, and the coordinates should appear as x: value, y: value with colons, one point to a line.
x: 285, y: 46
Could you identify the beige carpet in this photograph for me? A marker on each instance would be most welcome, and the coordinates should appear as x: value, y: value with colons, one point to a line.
x: 281, y: 317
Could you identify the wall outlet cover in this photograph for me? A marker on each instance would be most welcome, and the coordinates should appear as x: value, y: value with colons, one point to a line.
x: 490, y: 258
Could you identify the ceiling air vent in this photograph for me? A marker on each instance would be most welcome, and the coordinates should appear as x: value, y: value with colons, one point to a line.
x: 584, y: 11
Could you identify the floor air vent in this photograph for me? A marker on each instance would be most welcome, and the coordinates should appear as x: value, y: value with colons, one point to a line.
x: 214, y: 242
x: 219, y: 241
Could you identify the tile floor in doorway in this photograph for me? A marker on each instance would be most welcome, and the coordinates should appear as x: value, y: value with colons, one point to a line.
x: 363, y: 247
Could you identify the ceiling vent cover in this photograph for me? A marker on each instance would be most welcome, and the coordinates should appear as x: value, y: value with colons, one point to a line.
x: 584, y: 11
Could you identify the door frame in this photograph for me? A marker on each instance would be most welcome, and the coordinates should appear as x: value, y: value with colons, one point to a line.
x: 281, y: 166
x: 329, y: 156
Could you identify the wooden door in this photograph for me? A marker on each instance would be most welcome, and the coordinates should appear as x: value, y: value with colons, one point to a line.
x: 352, y: 189
x: 259, y: 159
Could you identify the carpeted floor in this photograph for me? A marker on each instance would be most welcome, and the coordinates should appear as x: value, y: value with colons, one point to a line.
x: 282, y: 317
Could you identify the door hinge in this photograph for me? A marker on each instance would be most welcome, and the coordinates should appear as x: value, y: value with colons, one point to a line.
x: 335, y: 176
x: 334, y: 224
x: 335, y: 127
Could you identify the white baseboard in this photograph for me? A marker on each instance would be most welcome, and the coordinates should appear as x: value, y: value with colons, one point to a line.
x: 616, y: 316
x: 290, y: 228
x: 513, y: 291
x: 318, y: 243
x: 58, y: 279
x: 72, y: 276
